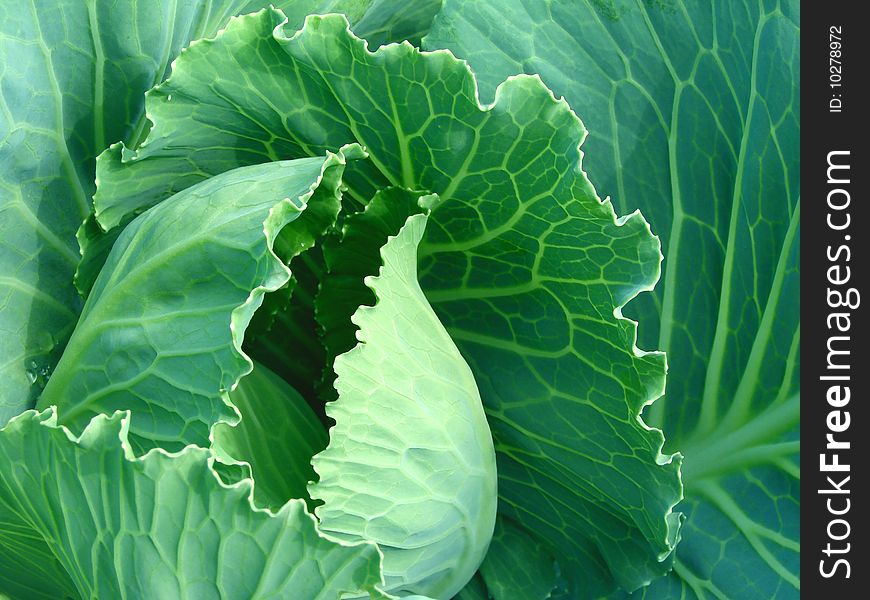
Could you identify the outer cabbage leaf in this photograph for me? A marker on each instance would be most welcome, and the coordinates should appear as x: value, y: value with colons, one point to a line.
x: 161, y: 526
x: 521, y: 261
x: 698, y: 103
x: 161, y: 332
x: 73, y: 79
x: 410, y: 463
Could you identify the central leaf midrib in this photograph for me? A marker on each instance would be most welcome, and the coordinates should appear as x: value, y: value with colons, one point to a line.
x: 704, y: 452
x: 99, y: 75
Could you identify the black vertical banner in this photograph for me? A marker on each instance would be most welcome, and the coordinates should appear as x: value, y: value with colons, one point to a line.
x: 835, y: 356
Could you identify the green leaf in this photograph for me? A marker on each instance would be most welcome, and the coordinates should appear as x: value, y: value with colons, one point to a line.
x: 410, y: 463
x: 518, y: 566
x: 162, y: 330
x: 74, y: 75
x: 277, y: 436
x: 521, y: 260
x: 474, y: 590
x: 85, y: 519
x: 378, y: 21
x: 694, y: 114
x: 388, y: 21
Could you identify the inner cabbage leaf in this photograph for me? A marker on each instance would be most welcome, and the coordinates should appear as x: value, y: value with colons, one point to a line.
x: 410, y: 463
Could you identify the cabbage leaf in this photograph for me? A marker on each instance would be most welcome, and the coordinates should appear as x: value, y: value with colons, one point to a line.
x: 694, y: 112
x: 84, y: 518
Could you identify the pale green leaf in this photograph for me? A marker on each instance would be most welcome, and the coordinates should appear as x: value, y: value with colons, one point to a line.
x: 84, y: 519
x: 410, y: 463
x: 162, y: 330
x: 694, y: 117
